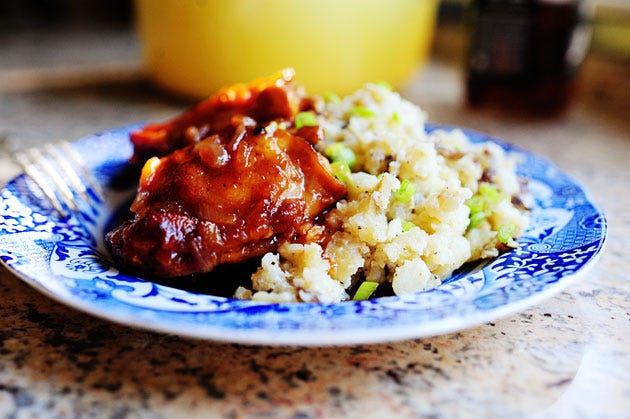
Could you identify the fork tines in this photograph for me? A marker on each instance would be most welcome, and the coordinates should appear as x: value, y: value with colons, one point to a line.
x: 60, y: 174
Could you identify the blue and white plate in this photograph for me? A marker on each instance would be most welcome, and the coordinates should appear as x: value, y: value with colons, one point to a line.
x: 65, y: 259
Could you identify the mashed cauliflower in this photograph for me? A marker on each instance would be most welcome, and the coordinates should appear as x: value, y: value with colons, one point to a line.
x: 418, y: 207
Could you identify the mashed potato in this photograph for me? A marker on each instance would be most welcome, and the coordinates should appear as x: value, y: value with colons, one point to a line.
x: 418, y: 207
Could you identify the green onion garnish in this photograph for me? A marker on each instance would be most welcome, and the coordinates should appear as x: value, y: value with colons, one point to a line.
x: 362, y: 111
x: 476, y: 218
x: 330, y: 97
x: 406, y: 225
x: 341, y: 170
x: 339, y: 152
x: 505, y: 233
x: 365, y: 290
x: 386, y: 85
x: 396, y: 117
x: 405, y: 192
x: 305, y: 119
x: 492, y: 194
x: 476, y: 204
x: 488, y: 195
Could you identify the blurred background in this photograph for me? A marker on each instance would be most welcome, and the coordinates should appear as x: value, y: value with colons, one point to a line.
x: 71, y: 68
x: 474, y: 46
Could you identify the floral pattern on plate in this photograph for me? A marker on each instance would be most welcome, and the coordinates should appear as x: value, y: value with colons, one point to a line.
x: 65, y: 258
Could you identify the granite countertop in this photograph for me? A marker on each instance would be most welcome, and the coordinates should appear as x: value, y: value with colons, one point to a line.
x: 565, y: 357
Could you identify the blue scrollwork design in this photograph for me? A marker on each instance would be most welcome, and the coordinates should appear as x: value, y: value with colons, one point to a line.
x: 67, y: 258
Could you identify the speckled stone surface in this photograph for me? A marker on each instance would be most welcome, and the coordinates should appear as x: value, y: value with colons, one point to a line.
x: 566, y: 357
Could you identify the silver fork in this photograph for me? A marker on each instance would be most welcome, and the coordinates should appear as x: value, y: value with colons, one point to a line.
x: 60, y: 174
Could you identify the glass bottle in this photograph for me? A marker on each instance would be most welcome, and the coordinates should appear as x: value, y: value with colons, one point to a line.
x: 524, y: 54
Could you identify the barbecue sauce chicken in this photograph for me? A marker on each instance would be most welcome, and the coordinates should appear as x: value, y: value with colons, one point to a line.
x: 228, y: 180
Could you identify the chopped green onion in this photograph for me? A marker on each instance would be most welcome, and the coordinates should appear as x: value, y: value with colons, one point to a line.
x: 386, y: 85
x: 476, y: 203
x: 476, y: 218
x: 505, y: 233
x: 365, y: 290
x: 405, y: 192
x: 330, y: 97
x: 305, y: 119
x: 406, y: 225
x: 488, y: 195
x: 362, y: 111
x: 492, y: 194
x: 339, y: 152
x: 341, y: 170
x: 396, y: 118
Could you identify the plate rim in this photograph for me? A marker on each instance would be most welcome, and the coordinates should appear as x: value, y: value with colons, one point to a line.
x: 309, y: 337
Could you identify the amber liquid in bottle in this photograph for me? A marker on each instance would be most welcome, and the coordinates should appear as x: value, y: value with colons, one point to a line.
x: 523, y: 54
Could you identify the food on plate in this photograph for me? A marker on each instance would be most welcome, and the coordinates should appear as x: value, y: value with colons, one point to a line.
x: 341, y: 197
x: 229, y: 194
x: 264, y: 100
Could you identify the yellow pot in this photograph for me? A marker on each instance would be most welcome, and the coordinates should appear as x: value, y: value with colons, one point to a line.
x: 193, y: 47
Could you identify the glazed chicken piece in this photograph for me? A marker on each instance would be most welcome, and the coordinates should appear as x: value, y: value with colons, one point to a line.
x: 225, y: 200
x: 229, y: 185
x: 264, y: 100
